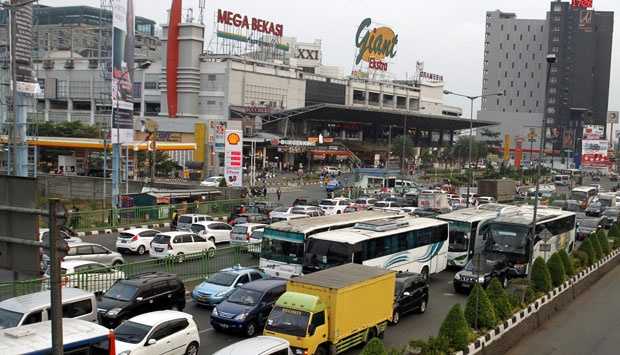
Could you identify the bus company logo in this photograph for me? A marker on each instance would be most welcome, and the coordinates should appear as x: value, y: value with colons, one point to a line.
x: 233, y: 139
x: 374, y: 45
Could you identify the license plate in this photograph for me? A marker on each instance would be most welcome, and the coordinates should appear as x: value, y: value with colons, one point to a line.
x: 123, y: 242
x: 466, y: 285
x: 159, y: 250
x: 224, y: 325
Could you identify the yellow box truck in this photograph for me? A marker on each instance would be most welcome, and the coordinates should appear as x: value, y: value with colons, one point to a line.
x: 333, y: 310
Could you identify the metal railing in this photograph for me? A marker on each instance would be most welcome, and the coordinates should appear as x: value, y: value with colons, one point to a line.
x: 88, y: 220
x: 193, y: 267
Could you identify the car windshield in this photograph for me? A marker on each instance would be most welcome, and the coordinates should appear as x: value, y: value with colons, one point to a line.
x: 288, y: 321
x: 281, y: 209
x: 480, y: 264
x: 257, y: 234
x: 240, y: 220
x: 239, y: 230
x: 328, y: 203
x: 197, y: 228
x: 611, y: 212
x: 131, y: 332
x: 125, y: 235
x: 222, y: 278
x: 299, y: 211
x: 9, y: 319
x: 213, y: 179
x: 589, y: 223
x: 161, y: 239
x: 507, y: 238
x: 121, y: 291
x: 604, y: 203
x: 382, y: 204
x: 185, y: 219
x: 245, y: 297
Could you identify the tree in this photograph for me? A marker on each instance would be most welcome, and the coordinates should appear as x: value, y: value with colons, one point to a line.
x: 604, y: 242
x: 74, y: 129
x: 556, y: 270
x: 374, y: 347
x: 455, y: 328
x: 598, y: 251
x: 397, y: 147
x: 164, y: 165
x: 587, y: 247
x: 568, y: 264
x: 433, y: 346
x: 582, y: 257
x: 499, y: 300
x: 541, y: 279
x: 492, y: 139
x: 478, y: 310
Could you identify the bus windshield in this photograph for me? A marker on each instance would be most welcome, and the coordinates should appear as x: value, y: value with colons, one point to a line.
x: 579, y: 195
x: 323, y: 254
x: 507, y: 238
x: 282, y: 250
x: 459, y: 236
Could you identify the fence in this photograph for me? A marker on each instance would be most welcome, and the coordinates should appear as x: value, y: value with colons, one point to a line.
x: 194, y: 267
x: 89, y: 220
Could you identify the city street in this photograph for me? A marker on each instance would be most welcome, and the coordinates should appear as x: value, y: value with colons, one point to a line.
x: 589, y: 325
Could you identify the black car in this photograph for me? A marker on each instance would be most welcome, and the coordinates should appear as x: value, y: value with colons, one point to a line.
x: 247, y: 307
x: 411, y: 295
x: 140, y: 294
x: 590, y: 225
x: 482, y: 268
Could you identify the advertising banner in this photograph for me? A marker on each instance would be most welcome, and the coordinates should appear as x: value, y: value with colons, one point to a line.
x: 233, y: 158
x: 122, y: 69
x: 507, y: 147
x: 594, y: 153
x: 518, y: 152
x: 217, y: 129
x: 593, y: 132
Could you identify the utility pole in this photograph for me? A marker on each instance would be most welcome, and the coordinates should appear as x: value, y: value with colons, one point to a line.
x: 54, y: 280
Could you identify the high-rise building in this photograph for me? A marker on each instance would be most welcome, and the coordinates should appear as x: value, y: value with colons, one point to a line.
x: 515, y: 65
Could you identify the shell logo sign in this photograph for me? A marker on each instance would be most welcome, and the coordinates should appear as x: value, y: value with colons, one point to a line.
x: 233, y: 138
x: 374, y: 45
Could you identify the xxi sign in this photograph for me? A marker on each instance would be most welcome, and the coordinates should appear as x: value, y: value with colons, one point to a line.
x: 304, y: 53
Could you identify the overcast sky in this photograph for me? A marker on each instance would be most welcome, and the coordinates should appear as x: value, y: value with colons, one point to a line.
x: 447, y: 35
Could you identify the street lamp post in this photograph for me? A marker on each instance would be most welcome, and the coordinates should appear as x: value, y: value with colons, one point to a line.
x: 471, y: 129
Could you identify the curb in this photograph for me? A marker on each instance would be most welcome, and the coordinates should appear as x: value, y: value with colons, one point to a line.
x: 121, y: 229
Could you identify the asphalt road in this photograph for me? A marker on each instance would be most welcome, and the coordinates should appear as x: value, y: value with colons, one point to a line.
x: 414, y: 326
x: 588, y: 326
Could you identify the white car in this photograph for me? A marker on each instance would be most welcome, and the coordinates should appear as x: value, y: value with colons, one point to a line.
x: 242, y: 233
x: 311, y: 211
x: 213, y: 181
x: 185, y: 221
x: 179, y: 245
x: 332, y: 170
x: 88, y: 275
x: 280, y: 212
x: 44, y: 235
x: 216, y: 232
x: 334, y: 205
x: 160, y: 332
x: 260, y: 345
x: 135, y: 240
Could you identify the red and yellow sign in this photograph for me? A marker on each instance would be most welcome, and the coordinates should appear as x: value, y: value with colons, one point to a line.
x: 233, y: 138
x: 375, y: 45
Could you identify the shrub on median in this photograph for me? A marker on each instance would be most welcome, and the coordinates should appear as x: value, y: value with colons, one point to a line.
x: 582, y: 258
x: 587, y: 247
x: 479, y: 311
x: 541, y: 279
x: 374, y: 347
x: 499, y: 300
x: 455, y: 329
x: 530, y: 295
x: 433, y: 346
x: 598, y: 252
x: 556, y: 270
x: 567, y: 262
x: 604, y: 242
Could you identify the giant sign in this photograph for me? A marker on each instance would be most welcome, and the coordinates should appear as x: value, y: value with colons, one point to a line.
x: 374, y: 45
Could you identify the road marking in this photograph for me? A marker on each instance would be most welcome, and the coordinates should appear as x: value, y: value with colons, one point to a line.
x: 448, y: 294
x: 205, y: 330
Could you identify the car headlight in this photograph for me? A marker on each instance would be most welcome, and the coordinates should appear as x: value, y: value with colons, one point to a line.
x: 241, y: 316
x: 221, y: 294
x: 126, y: 352
x: 113, y: 312
x: 481, y: 279
x: 214, y: 312
x: 299, y: 351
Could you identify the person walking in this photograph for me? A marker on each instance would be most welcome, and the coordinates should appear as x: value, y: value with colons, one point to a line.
x: 278, y: 193
x: 265, y: 190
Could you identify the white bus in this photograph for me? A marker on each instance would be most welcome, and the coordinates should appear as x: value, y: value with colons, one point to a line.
x: 584, y: 194
x: 411, y: 244
x: 282, y: 247
x: 463, y: 227
x: 511, y: 234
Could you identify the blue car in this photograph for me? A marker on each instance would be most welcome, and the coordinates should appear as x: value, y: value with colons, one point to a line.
x: 333, y: 185
x: 246, y: 309
x: 221, y: 284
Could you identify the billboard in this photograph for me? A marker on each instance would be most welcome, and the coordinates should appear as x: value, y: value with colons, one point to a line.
x: 122, y: 70
x: 233, y: 158
x: 374, y: 45
x: 595, y: 152
x: 518, y: 152
x: 593, y: 132
x: 506, y: 147
x: 583, y: 4
x: 23, y: 42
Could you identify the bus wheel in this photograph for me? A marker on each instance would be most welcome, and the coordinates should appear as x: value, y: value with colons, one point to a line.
x: 426, y: 274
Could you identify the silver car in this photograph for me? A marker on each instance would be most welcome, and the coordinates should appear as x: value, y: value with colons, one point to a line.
x: 93, y: 252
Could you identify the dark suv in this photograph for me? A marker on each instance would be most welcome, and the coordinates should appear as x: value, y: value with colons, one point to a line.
x: 139, y: 294
x: 482, y: 268
x: 247, y: 307
x: 411, y: 295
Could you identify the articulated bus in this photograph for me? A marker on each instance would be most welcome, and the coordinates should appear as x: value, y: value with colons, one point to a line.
x: 463, y: 227
x: 80, y: 337
x: 412, y: 244
x: 510, y: 234
x: 282, y: 248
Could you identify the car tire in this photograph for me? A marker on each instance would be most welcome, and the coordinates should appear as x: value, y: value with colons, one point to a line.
x: 117, y: 263
x: 321, y: 350
x: 395, y: 317
x: 372, y: 333
x: 422, y: 308
x: 141, y: 250
x: 192, y: 349
x: 180, y: 257
x: 250, y: 329
x: 426, y: 274
x: 505, y: 282
x: 212, y: 239
x: 211, y: 252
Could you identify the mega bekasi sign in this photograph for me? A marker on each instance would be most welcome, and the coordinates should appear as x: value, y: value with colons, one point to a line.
x: 374, y: 45
x: 249, y: 23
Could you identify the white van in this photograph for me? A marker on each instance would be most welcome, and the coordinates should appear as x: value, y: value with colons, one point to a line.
x: 260, y: 345
x: 35, y: 307
x: 185, y: 221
